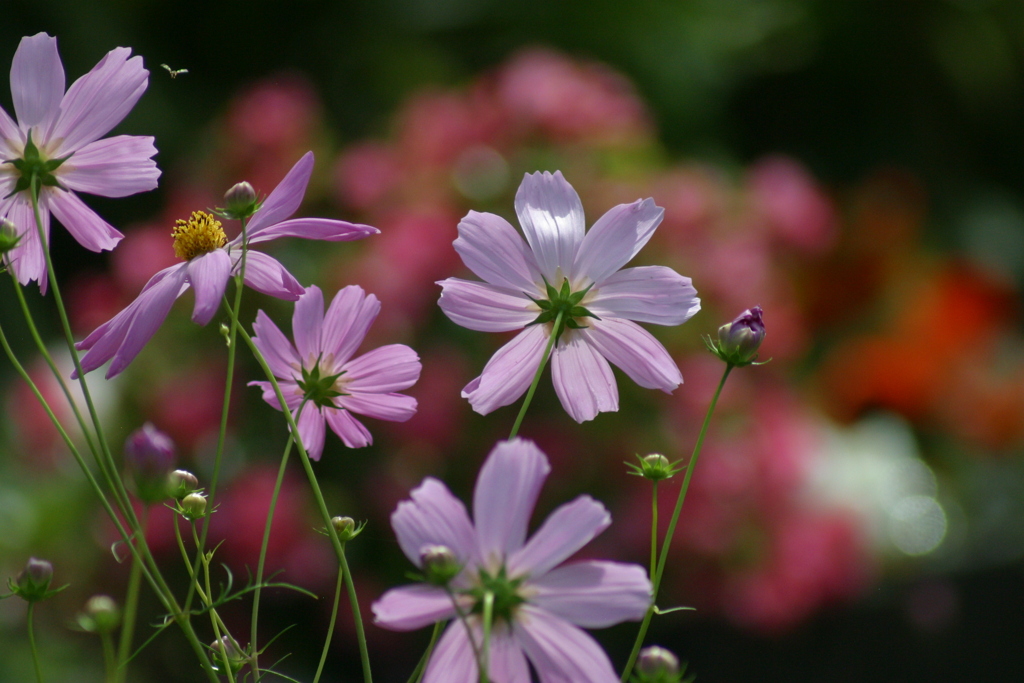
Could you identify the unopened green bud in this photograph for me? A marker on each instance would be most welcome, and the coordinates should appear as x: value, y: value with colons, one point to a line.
x: 226, y: 647
x: 345, y: 527
x: 33, y: 582
x: 240, y: 201
x: 180, y: 483
x: 655, y: 659
x: 101, y: 615
x: 655, y: 467
x: 440, y: 564
x: 9, y: 236
x: 193, y: 506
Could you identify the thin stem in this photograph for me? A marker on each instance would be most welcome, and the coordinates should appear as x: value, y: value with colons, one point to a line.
x: 339, y: 551
x: 654, y: 530
x: 555, y: 329
x: 263, y: 557
x: 32, y: 642
x: 215, y: 621
x: 421, y: 668
x: 667, y: 542
x: 330, y: 627
x: 464, y: 619
x: 109, y: 657
x: 131, y: 608
x: 488, y: 621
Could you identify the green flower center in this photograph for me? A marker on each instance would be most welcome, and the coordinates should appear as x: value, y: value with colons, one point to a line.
x: 320, y: 389
x: 32, y: 167
x: 505, y: 592
x: 563, y: 307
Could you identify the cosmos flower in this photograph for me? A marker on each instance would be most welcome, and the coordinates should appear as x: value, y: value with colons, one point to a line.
x: 209, y: 262
x: 57, y: 140
x: 561, y: 270
x: 539, y: 606
x: 320, y: 368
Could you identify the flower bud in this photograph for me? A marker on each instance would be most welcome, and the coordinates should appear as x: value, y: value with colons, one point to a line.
x: 345, y: 527
x: 33, y: 582
x: 440, y: 564
x: 149, y: 455
x: 739, y: 340
x: 225, y: 646
x: 9, y: 236
x: 193, y: 506
x: 101, y: 615
x: 240, y: 201
x: 655, y: 467
x: 655, y: 660
x: 180, y: 483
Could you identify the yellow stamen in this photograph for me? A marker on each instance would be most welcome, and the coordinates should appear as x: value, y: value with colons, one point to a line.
x: 200, y: 234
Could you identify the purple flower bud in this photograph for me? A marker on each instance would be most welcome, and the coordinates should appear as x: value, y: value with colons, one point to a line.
x: 33, y: 582
x: 655, y: 661
x: 240, y: 201
x: 149, y: 455
x: 739, y: 340
x: 181, y: 483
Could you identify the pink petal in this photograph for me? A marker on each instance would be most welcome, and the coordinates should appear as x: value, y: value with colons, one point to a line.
x: 12, y: 140
x: 452, y: 660
x: 385, y: 369
x: 311, y: 430
x: 583, y: 379
x: 559, y: 651
x: 391, y: 407
x: 113, y: 167
x: 506, y: 491
x: 408, y: 608
x: 99, y: 100
x: 152, y: 308
x: 324, y: 229
x: 276, y: 349
x: 433, y: 517
x: 209, y: 275
x: 350, y: 315
x: 266, y: 275
x: 293, y: 395
x: 350, y: 430
x: 509, y: 372
x: 494, y: 251
x: 648, y: 294
x: 37, y: 82
x: 27, y: 260
x: 91, y: 231
x: 507, y: 661
x: 616, y: 238
x: 570, y: 527
x: 484, y: 307
x: 285, y: 199
x: 552, y: 218
x: 593, y: 594
x: 307, y: 321
x: 634, y: 351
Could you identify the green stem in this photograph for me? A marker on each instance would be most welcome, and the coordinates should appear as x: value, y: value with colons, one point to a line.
x: 330, y: 627
x: 667, y: 542
x: 485, y: 654
x: 215, y: 621
x: 421, y: 668
x: 109, y: 657
x: 339, y: 551
x: 654, y: 530
x: 464, y: 619
x: 263, y: 557
x: 555, y: 329
x: 131, y: 608
x: 32, y: 643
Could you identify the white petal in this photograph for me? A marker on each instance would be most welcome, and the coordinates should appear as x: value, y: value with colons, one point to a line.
x: 616, y: 238
x: 551, y: 214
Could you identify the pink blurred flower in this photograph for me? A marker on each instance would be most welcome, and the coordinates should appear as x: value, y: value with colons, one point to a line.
x: 558, y: 257
x: 123, y: 336
x: 793, y: 205
x: 54, y: 125
x: 319, y: 368
x: 545, y: 604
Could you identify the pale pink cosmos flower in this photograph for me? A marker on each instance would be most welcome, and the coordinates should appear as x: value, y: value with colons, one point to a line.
x: 69, y: 126
x: 211, y: 261
x: 558, y: 252
x: 540, y: 606
x: 321, y: 370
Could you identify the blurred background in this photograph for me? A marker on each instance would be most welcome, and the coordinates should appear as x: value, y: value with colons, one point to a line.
x: 854, y: 168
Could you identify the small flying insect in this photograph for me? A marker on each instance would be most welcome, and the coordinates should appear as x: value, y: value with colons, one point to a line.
x: 174, y: 72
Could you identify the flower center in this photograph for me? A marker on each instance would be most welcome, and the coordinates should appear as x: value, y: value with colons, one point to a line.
x: 320, y: 389
x: 562, y: 304
x: 505, y: 592
x: 199, y: 235
x: 32, y: 166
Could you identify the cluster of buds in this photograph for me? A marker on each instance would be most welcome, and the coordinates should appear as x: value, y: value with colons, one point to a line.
x: 658, y: 665
x: 33, y: 583
x: 184, y: 487
x: 739, y: 340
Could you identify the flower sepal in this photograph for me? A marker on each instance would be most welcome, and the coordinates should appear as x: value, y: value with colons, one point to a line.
x: 32, y: 166
x: 655, y: 467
